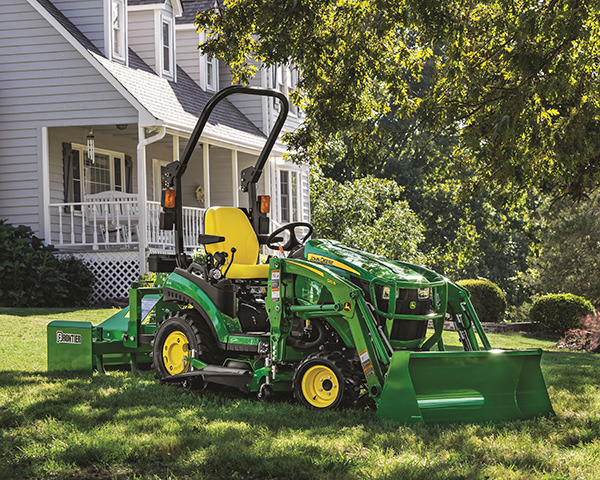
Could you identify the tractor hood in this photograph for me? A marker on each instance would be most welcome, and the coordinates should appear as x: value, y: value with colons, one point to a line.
x: 365, y: 265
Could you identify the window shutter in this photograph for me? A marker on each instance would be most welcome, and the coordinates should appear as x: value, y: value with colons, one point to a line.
x: 128, y: 174
x: 68, y: 172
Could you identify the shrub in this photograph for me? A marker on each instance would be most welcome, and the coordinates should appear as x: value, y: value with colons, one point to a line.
x: 199, y: 256
x: 487, y: 298
x: 79, y: 281
x: 560, y: 312
x: 586, y: 337
x: 31, y: 275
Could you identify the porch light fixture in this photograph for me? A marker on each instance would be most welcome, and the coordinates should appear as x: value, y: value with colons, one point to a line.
x: 121, y: 126
x: 90, y: 145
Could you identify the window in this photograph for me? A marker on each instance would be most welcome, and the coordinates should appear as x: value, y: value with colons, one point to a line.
x: 209, y: 69
x: 167, y: 50
x: 118, y: 30
x: 211, y: 74
x: 108, y: 171
x: 288, y: 186
x: 285, y: 79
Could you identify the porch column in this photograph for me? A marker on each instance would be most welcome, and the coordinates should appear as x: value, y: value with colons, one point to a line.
x: 235, y: 178
x: 206, y: 165
x: 45, y: 214
x: 175, y: 148
x: 143, y: 190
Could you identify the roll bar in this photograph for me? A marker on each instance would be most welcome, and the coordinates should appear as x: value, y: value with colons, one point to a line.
x: 249, y: 176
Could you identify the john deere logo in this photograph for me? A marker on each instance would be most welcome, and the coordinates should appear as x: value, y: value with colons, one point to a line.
x: 347, y: 306
x: 412, y: 305
x: 74, y: 338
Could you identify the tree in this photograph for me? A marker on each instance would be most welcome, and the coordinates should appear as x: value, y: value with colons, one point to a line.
x: 568, y: 256
x: 367, y: 213
x: 519, y: 79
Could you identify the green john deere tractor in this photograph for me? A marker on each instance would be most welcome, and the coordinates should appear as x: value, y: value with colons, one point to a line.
x: 322, y: 320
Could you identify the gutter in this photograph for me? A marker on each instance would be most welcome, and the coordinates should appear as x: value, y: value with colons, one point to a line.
x: 143, y: 190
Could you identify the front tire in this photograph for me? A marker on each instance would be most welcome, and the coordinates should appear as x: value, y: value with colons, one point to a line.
x: 326, y: 381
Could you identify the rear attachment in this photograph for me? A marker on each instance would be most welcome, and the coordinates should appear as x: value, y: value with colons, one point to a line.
x: 122, y: 341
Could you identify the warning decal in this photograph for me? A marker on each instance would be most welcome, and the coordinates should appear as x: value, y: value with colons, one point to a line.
x: 275, y: 285
x: 366, y: 364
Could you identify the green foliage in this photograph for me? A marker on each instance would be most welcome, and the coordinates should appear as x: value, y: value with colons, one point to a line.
x: 79, y: 280
x: 486, y: 235
x: 517, y: 79
x: 560, y: 312
x: 488, y: 299
x: 567, y: 258
x: 199, y: 256
x: 367, y: 214
x: 31, y: 275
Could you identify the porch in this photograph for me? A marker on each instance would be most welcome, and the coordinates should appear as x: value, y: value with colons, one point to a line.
x: 110, y: 222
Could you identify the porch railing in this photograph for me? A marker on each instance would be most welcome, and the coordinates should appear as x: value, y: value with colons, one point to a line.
x: 112, y: 223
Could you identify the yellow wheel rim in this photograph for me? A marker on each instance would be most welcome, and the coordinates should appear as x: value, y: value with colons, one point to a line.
x: 176, y: 346
x: 320, y: 386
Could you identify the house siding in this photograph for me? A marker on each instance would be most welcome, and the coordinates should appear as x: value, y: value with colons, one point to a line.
x: 221, y: 183
x: 88, y: 17
x: 44, y: 82
x: 141, y: 31
x: 188, y: 55
x: 249, y: 105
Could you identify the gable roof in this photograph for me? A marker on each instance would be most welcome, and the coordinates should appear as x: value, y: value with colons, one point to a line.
x: 177, y: 4
x: 191, y: 9
x: 175, y: 105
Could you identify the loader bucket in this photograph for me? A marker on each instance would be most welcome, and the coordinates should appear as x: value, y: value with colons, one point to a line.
x: 495, y: 385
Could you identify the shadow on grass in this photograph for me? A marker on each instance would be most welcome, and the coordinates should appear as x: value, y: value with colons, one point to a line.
x: 124, y: 425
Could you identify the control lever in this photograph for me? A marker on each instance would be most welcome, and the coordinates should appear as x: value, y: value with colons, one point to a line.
x: 233, y: 250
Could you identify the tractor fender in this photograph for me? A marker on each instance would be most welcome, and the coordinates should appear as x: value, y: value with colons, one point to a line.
x: 180, y: 289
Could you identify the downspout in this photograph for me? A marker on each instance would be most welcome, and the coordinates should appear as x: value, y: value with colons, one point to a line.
x: 143, y: 190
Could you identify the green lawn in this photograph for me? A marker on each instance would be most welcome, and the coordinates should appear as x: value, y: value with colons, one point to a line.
x: 126, y: 426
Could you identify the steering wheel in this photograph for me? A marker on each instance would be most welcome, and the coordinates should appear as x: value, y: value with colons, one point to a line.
x: 293, y: 242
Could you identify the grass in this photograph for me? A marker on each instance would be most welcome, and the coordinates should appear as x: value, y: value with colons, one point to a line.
x: 127, y: 426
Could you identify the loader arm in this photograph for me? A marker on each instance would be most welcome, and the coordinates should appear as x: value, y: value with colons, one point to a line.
x: 346, y: 311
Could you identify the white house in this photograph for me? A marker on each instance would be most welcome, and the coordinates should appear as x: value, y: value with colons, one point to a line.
x: 96, y: 97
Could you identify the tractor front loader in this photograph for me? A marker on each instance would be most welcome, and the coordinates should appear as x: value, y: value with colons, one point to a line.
x: 325, y: 321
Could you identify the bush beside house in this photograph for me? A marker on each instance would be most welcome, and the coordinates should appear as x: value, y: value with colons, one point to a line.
x: 32, y: 276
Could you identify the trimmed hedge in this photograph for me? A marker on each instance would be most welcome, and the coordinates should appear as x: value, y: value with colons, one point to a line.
x: 32, y: 276
x: 560, y: 312
x: 487, y: 298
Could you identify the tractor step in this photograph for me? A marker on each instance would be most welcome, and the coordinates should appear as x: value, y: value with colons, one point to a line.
x: 232, y: 377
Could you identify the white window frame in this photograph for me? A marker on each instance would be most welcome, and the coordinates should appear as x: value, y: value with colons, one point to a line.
x: 293, y: 201
x: 285, y: 79
x: 212, y: 74
x: 112, y: 155
x: 170, y: 71
x: 118, y: 35
x: 206, y: 83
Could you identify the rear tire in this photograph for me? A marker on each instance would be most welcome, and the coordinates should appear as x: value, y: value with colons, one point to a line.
x: 326, y: 381
x: 180, y: 334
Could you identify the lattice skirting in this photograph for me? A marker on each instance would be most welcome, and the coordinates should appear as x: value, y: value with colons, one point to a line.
x: 114, y: 273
